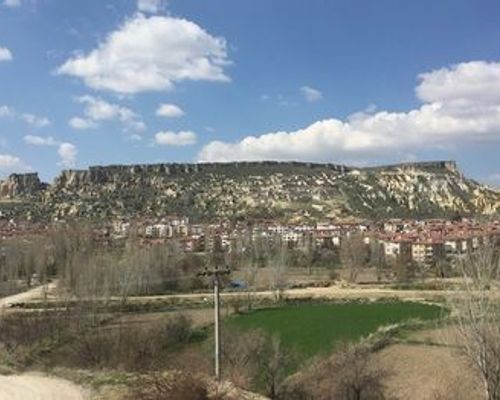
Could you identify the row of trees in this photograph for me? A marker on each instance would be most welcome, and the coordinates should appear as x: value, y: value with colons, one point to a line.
x: 88, y: 267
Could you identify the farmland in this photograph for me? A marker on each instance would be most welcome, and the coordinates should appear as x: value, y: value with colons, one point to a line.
x: 310, y: 329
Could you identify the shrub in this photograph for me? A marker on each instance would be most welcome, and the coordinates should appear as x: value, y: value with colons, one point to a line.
x: 172, y: 386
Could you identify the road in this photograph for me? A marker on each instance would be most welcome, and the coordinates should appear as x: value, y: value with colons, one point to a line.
x: 39, y: 387
x: 35, y: 386
x: 334, y: 292
x: 30, y: 295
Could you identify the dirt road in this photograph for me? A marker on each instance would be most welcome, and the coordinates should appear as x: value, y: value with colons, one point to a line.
x: 334, y: 292
x: 39, y: 387
x: 30, y: 295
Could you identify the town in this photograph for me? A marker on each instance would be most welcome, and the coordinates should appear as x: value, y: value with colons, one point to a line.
x: 423, y: 242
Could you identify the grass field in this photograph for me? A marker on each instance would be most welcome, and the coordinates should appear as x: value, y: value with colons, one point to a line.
x: 314, y: 328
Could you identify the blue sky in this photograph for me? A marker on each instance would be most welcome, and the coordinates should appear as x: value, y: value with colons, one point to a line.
x: 353, y: 81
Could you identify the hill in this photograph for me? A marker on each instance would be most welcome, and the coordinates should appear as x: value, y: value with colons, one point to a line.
x: 249, y: 190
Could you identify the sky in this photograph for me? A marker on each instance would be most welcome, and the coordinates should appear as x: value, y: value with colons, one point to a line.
x: 100, y: 82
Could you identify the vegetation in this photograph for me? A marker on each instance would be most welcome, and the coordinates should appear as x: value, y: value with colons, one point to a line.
x: 299, y: 351
x: 81, y: 339
x: 312, y: 329
x: 478, y: 318
x: 249, y: 191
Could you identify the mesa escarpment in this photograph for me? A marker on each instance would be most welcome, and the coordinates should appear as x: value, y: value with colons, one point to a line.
x: 245, y: 190
x: 21, y: 185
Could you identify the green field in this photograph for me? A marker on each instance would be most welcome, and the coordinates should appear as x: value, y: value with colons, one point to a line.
x: 313, y: 328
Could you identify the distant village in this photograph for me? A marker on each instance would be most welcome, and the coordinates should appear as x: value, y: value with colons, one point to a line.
x: 424, y: 242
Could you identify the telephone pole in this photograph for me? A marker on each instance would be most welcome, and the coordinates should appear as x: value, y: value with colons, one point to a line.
x: 216, y: 273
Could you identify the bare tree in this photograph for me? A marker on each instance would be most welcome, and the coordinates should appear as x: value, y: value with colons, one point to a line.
x: 250, y: 275
x: 356, y: 378
x: 353, y: 255
x: 279, y: 264
x: 377, y: 258
x: 478, y: 313
x: 274, y: 364
x: 349, y: 374
x: 241, y: 354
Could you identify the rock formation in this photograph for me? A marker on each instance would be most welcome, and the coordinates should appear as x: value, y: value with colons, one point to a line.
x: 248, y: 190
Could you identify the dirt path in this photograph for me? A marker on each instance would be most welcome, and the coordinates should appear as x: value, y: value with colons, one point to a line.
x: 37, y: 293
x: 327, y: 293
x: 39, y: 387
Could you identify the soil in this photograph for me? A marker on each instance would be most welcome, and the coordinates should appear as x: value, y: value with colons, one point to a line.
x: 39, y: 387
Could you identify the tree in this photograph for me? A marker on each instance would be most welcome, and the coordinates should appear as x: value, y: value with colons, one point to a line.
x: 241, y: 356
x: 275, y: 361
x: 279, y: 263
x: 349, y: 374
x: 377, y: 258
x: 478, y: 315
x: 353, y: 255
x: 356, y: 378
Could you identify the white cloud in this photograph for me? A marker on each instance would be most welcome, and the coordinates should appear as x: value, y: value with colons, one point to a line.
x: 5, y: 54
x: 476, y: 82
x: 81, y: 123
x: 149, y: 6
x: 97, y: 110
x: 310, y: 94
x: 6, y: 111
x: 169, y: 111
x: 461, y: 104
x: 33, y: 120
x: 151, y: 54
x: 182, y: 138
x: 10, y: 163
x: 68, y: 153
x: 12, y: 3
x: 40, y: 141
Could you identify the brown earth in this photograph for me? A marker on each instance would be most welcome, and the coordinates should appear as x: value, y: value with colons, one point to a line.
x: 39, y: 387
x: 426, y: 372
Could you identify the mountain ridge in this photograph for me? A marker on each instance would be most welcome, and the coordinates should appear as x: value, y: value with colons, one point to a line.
x: 249, y: 190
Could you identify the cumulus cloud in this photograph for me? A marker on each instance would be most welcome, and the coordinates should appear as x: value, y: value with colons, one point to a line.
x: 460, y: 104
x: 476, y: 82
x: 68, y: 153
x: 310, y: 94
x: 97, y: 110
x: 151, y: 54
x: 33, y: 120
x: 81, y: 123
x: 10, y: 163
x: 6, y: 111
x: 182, y: 138
x: 169, y: 111
x: 5, y: 54
x: 12, y: 3
x: 149, y: 6
x: 40, y: 141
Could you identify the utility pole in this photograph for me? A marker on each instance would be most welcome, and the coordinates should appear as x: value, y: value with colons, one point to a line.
x: 216, y: 273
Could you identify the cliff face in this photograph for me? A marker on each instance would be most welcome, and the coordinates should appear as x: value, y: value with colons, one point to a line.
x: 289, y: 191
x: 21, y: 185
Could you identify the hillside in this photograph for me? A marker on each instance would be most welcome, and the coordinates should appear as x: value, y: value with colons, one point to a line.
x: 246, y: 190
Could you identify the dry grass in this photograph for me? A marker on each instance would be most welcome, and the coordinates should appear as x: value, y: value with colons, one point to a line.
x: 428, y: 372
